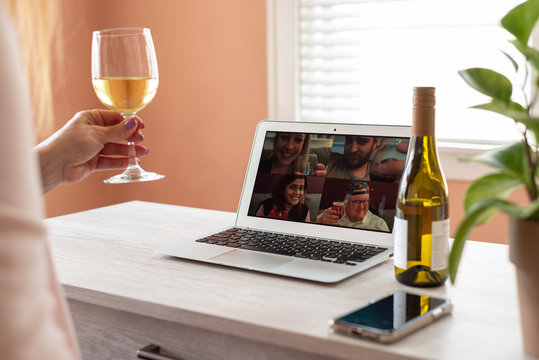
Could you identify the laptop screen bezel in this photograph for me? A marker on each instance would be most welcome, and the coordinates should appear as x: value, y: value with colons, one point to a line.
x: 310, y: 229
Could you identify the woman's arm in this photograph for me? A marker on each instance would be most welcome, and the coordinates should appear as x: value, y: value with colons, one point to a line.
x: 260, y: 211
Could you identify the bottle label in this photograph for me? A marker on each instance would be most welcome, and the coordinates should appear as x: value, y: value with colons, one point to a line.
x: 440, y: 245
x: 400, y: 234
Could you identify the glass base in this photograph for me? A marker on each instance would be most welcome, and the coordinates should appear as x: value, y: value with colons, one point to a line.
x: 133, y: 174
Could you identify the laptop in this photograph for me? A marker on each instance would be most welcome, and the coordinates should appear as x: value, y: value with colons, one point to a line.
x: 318, y: 202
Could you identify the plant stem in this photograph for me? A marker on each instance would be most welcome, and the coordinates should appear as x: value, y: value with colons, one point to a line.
x: 530, y: 159
x: 523, y: 86
x: 534, y: 100
x: 532, y: 164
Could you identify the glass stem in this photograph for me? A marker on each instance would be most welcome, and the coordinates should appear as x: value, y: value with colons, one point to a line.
x: 133, y: 163
x: 132, y: 152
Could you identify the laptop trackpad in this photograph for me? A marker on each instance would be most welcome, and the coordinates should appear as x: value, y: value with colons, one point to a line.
x: 250, y: 260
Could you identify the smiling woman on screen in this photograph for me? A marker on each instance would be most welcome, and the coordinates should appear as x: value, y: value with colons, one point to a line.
x: 287, y: 200
x: 288, y: 148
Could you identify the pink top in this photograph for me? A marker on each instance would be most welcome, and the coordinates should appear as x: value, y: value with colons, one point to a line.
x: 34, y: 323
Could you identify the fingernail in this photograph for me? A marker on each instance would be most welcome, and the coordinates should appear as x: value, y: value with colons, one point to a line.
x: 131, y: 123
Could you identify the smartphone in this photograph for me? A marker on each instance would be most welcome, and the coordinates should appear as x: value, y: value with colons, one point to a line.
x: 392, y: 317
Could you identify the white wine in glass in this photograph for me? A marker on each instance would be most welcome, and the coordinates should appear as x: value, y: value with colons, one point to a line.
x: 125, y: 79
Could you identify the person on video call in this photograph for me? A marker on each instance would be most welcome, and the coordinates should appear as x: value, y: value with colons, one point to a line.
x: 388, y: 162
x: 356, y: 210
x: 354, y: 163
x: 287, y: 200
x: 287, y: 153
x: 287, y: 149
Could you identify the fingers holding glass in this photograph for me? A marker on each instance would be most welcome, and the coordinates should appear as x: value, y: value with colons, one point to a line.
x: 125, y: 79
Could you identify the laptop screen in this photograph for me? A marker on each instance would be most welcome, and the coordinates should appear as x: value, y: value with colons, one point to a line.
x: 339, y: 180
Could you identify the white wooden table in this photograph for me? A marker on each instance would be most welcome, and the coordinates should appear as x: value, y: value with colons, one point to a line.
x: 123, y: 296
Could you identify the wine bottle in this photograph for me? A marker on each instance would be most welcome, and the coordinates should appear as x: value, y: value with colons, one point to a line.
x: 421, y: 227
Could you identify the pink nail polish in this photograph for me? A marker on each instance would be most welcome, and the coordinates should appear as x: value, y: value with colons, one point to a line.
x: 131, y: 123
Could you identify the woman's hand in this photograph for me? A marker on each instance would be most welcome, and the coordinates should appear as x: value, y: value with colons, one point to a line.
x: 320, y: 170
x: 90, y: 141
x: 393, y: 168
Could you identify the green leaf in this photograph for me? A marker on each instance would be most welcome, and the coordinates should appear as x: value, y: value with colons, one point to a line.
x: 510, y: 109
x: 465, y: 159
x: 488, y: 82
x: 509, y: 158
x: 529, y: 211
x: 475, y: 213
x: 515, y: 64
x: 490, y: 186
x: 514, y: 111
x: 460, y: 239
x: 520, y: 20
x: 533, y: 56
x: 530, y: 53
x: 533, y: 125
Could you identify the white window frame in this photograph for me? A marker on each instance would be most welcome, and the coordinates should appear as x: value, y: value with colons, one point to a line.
x: 282, y: 83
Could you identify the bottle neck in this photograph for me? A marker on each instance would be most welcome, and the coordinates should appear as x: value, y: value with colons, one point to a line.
x: 423, y: 121
x: 423, y: 153
x: 423, y: 145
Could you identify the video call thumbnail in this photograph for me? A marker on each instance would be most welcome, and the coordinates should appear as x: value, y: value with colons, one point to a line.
x: 333, y: 180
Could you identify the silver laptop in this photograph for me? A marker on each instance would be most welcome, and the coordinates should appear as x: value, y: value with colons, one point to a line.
x: 318, y: 202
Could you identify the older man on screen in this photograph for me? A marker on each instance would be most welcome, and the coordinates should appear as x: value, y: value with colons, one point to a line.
x: 356, y: 210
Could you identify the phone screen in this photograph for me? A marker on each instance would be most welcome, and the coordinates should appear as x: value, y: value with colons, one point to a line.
x: 392, y: 312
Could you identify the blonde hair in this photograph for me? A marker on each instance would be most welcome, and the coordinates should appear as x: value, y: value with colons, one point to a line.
x: 37, y: 22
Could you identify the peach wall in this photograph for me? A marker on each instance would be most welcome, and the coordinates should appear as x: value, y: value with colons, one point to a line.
x: 212, y: 93
x: 212, y: 63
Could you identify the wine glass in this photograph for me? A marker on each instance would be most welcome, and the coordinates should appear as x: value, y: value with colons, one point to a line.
x: 125, y: 79
x: 308, y: 164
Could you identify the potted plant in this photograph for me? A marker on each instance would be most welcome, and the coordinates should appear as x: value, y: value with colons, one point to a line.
x: 517, y: 166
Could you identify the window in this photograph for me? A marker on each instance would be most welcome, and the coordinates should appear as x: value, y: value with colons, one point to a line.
x: 358, y: 60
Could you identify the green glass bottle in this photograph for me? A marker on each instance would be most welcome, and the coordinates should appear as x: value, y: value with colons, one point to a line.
x: 421, y: 228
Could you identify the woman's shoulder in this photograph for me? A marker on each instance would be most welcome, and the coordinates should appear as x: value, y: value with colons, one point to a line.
x: 11, y: 60
x: 265, y: 165
x: 6, y: 28
x: 304, y: 209
x: 4, y: 16
x: 268, y: 202
x: 8, y: 34
x: 266, y: 205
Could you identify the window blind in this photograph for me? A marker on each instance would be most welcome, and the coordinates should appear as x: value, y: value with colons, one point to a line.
x: 358, y: 61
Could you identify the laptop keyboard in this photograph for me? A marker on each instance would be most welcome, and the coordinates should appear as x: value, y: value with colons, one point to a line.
x: 339, y: 252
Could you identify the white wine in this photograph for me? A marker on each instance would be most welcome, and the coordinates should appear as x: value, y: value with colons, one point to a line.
x: 125, y: 95
x: 421, y: 226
